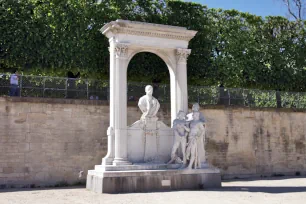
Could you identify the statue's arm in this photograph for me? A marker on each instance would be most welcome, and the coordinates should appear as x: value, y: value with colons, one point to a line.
x: 202, y: 129
x: 202, y: 117
x: 174, y: 124
x: 141, y: 106
x: 157, y: 107
x: 187, y: 128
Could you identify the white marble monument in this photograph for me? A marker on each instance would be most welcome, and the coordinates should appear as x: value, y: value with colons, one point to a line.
x: 138, y: 155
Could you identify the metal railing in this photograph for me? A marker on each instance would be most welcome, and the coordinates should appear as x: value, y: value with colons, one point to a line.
x: 60, y: 87
x: 56, y: 87
x: 247, y: 97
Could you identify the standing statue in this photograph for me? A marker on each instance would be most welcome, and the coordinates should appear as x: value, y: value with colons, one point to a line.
x: 148, y: 104
x: 195, y: 144
x: 180, y: 133
x: 201, y: 146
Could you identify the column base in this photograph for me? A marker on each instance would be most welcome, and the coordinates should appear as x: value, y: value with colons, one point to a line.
x: 120, y: 162
x: 107, y: 161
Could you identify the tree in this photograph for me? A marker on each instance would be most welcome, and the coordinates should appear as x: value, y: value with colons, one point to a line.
x: 231, y: 48
x: 296, y: 8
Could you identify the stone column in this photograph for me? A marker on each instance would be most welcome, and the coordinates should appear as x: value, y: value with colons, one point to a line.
x: 181, y: 81
x: 119, y: 103
x: 109, y: 158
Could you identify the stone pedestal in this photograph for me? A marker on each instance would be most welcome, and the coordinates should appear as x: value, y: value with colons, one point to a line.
x: 126, y: 181
x: 151, y: 140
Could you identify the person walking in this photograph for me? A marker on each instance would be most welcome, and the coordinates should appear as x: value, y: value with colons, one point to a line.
x: 14, y: 86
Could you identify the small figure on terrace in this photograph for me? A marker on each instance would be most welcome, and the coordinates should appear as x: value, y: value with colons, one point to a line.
x: 195, y: 142
x: 148, y: 104
x: 180, y: 132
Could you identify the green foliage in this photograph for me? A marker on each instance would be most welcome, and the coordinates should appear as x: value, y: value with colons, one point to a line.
x: 231, y: 48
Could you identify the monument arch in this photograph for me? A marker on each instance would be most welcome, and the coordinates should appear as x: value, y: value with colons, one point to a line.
x: 140, y: 156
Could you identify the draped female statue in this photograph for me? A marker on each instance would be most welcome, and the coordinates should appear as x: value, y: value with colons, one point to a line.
x: 195, y: 146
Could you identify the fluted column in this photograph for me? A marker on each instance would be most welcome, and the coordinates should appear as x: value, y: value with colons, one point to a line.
x: 109, y: 158
x: 117, y: 132
x: 120, y: 103
x: 181, y: 81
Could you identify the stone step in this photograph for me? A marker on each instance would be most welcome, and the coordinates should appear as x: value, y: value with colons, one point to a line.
x: 144, y: 166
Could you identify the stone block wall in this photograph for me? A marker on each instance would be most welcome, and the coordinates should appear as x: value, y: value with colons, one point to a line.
x: 247, y: 142
x: 48, y: 141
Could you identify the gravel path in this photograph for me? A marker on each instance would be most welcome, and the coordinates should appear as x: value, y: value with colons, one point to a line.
x: 270, y: 191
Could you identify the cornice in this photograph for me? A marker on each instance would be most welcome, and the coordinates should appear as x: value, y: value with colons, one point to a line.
x: 148, y: 29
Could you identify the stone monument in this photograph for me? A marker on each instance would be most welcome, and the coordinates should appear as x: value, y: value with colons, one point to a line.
x: 138, y: 155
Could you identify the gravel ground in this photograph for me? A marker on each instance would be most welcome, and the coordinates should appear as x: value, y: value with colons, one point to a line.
x: 269, y: 191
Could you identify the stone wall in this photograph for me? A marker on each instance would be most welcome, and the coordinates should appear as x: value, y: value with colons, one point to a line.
x: 48, y: 141
x: 256, y: 142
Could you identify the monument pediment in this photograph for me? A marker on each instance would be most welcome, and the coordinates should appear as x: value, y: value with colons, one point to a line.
x: 147, y: 29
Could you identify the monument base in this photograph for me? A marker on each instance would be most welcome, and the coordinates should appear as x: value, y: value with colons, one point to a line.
x: 102, y: 181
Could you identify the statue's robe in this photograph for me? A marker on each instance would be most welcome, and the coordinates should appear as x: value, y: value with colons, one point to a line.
x: 200, y: 141
x: 197, y: 142
x: 148, y: 107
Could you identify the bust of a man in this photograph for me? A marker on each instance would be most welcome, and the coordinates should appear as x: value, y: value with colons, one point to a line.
x: 148, y: 104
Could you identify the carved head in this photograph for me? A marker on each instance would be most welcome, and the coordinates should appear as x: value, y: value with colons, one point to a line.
x: 196, y: 115
x: 149, y: 90
x: 195, y: 107
x: 181, y: 115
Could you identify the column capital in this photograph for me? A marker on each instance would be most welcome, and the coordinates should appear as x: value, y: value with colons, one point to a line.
x: 182, y: 55
x: 121, y: 50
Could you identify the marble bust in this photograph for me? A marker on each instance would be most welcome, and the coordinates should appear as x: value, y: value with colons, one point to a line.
x: 148, y: 105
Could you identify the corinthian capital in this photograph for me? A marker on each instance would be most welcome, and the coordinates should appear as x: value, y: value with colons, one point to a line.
x: 121, y: 50
x: 182, y: 55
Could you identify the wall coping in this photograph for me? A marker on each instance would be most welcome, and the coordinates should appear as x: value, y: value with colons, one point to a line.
x: 53, y: 100
x: 233, y: 107
x: 134, y: 103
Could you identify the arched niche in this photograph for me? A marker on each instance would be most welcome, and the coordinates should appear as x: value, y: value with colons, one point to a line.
x: 126, y: 39
x: 148, y: 68
x: 147, y: 64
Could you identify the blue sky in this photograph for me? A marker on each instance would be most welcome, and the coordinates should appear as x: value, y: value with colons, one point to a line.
x: 257, y: 7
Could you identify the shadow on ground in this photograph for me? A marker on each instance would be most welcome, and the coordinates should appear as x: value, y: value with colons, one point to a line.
x: 262, y: 189
x: 11, y: 190
x: 274, y: 178
x: 228, y: 186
